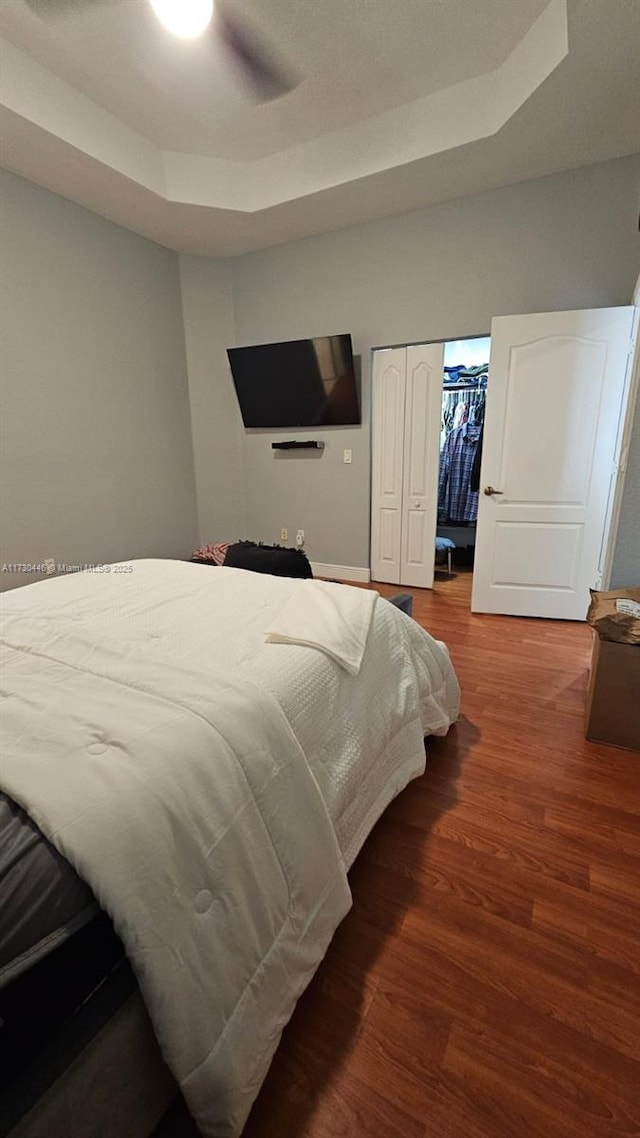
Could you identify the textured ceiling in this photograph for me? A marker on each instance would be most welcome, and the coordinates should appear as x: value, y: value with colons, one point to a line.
x: 356, y: 59
x: 403, y: 104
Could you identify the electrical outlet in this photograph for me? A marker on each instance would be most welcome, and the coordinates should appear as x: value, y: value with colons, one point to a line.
x: 284, y: 534
x: 347, y: 455
x: 300, y: 539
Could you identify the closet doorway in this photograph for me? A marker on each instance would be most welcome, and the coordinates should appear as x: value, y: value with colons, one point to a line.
x: 428, y: 410
x: 550, y: 417
x: 464, y: 395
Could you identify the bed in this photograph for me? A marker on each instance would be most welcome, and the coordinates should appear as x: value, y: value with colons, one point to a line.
x: 182, y: 800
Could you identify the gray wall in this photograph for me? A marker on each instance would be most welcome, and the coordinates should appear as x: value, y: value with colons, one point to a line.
x: 626, y: 560
x: 625, y: 569
x: 96, y: 461
x: 562, y: 242
x: 217, y: 426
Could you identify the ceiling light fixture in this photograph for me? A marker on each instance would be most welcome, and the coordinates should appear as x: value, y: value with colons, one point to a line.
x: 184, y: 18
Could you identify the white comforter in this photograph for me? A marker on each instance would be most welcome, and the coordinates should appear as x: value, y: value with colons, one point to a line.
x: 210, y: 787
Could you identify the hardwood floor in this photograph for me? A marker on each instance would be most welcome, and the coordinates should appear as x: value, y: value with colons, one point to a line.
x: 486, y: 983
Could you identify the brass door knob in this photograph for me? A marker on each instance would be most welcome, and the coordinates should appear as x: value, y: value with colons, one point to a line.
x: 489, y: 491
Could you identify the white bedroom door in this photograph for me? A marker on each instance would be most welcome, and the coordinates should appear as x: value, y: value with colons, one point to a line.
x: 423, y: 411
x: 552, y: 428
x: 388, y: 408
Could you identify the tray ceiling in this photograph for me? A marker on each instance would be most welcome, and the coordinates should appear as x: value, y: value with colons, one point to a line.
x: 400, y: 105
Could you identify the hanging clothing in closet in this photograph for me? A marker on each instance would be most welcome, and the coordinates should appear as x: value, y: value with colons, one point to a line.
x: 457, y: 502
x: 474, y: 481
x: 462, y: 421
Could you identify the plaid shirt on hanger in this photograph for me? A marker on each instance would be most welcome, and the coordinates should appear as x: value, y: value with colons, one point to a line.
x: 457, y: 502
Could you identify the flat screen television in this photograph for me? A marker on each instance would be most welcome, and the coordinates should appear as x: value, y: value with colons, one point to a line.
x: 299, y: 383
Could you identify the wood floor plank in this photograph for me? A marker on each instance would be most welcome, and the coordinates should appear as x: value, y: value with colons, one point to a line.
x: 410, y: 856
x: 615, y: 883
x: 487, y: 982
x: 605, y: 931
x: 529, y: 848
x: 527, y: 786
x: 526, y: 965
x: 527, y: 1092
x: 604, y: 826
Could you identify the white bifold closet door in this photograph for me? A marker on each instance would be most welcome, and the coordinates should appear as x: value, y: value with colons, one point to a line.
x: 407, y: 405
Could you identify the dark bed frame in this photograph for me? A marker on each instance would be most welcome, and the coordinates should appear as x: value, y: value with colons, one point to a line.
x: 118, y: 1086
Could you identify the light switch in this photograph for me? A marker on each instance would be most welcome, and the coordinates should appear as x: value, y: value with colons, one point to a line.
x: 346, y: 456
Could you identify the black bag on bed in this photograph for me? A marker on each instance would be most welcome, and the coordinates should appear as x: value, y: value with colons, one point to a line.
x: 274, y: 559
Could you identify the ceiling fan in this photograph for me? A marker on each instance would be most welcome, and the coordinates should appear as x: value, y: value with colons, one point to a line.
x: 267, y: 74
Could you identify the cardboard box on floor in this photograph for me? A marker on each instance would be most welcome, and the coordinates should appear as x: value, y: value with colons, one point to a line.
x: 613, y: 698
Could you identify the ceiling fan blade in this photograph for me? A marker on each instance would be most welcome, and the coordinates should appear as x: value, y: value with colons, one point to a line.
x: 267, y: 72
x: 52, y: 9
